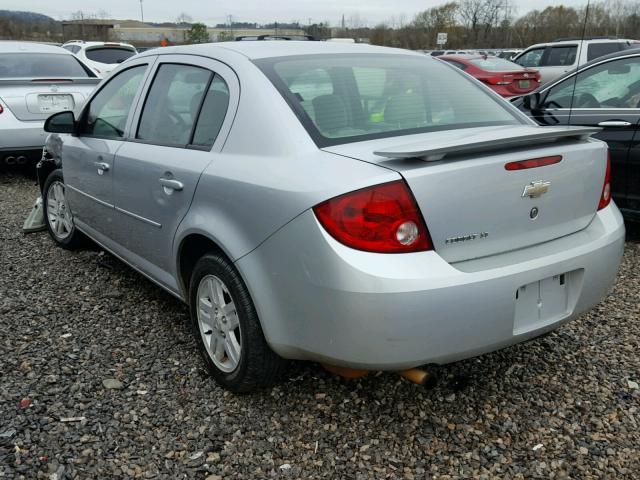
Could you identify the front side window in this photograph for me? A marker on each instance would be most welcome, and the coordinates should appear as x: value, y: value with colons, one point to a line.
x: 532, y: 58
x: 108, y: 111
x: 614, y: 84
x: 347, y: 98
x: 109, y: 55
x: 561, y: 56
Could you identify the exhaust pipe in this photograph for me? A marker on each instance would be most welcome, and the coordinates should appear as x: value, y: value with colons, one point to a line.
x: 420, y: 377
x: 414, y: 375
x: 21, y: 160
x: 9, y: 160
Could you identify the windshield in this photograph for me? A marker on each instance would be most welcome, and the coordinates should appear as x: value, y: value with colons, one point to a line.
x: 495, y: 64
x: 347, y: 98
x: 41, y: 65
x: 109, y: 55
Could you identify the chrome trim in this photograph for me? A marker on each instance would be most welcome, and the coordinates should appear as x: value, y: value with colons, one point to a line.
x: 138, y: 217
x: 137, y: 269
x: 536, y: 189
x: 101, y: 202
x: 588, y: 109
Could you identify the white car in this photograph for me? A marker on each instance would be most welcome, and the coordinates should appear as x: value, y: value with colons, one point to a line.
x: 36, y: 80
x: 102, y: 57
x: 554, y: 59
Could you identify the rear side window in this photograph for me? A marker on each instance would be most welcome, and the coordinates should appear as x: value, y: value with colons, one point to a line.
x: 41, y: 65
x: 173, y: 104
x: 212, y: 113
x: 596, y: 50
x: 109, y: 55
x: 561, y: 56
x: 532, y: 58
x: 348, y: 98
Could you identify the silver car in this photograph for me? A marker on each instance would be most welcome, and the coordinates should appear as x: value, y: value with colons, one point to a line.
x: 36, y: 80
x: 359, y: 206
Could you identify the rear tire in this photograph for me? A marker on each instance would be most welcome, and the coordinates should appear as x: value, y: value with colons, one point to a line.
x: 57, y: 214
x: 227, y: 330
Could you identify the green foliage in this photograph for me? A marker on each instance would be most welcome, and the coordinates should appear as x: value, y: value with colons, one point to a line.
x: 198, y: 33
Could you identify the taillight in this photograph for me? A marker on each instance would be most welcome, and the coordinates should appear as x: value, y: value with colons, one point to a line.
x: 1, y: 109
x: 383, y: 218
x: 605, y: 197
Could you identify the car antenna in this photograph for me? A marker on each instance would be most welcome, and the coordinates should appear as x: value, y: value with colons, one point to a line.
x: 575, y: 78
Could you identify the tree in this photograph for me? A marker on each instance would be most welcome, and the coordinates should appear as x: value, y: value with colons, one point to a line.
x: 198, y: 33
x: 184, y: 19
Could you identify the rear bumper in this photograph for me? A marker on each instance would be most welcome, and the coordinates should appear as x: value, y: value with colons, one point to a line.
x: 17, y: 136
x: 319, y: 300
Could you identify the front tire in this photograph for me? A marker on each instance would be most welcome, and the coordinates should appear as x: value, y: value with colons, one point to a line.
x: 227, y: 329
x: 57, y: 213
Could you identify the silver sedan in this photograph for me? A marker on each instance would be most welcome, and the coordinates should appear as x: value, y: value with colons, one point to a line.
x: 364, y: 207
x: 36, y: 80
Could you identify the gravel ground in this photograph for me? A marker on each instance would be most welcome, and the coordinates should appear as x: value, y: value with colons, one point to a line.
x: 100, y: 379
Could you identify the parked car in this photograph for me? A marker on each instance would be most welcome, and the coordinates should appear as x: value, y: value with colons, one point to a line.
x: 298, y: 223
x: 36, y: 80
x: 554, y: 59
x: 502, y: 76
x: 603, y: 93
x: 103, y: 57
x: 509, y: 54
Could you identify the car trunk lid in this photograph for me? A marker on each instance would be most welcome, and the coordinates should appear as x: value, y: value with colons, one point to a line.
x: 37, y: 99
x: 473, y: 205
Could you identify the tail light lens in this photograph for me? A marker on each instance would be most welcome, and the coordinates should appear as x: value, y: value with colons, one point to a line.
x: 383, y: 219
x: 605, y: 197
x: 1, y: 109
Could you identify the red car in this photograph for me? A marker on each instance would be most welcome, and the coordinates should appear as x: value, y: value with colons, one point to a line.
x: 504, y: 77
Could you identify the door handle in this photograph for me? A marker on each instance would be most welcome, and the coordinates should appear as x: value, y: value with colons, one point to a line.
x: 169, y: 184
x: 102, y: 167
x: 614, y: 123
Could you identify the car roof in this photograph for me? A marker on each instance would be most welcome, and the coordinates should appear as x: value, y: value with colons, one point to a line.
x: 577, y: 40
x: 93, y: 44
x: 30, y: 47
x: 281, y: 48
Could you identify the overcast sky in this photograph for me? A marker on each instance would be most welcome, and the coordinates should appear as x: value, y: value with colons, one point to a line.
x: 216, y: 11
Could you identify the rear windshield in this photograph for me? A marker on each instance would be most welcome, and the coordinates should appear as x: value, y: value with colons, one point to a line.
x: 348, y: 98
x: 109, y: 55
x: 41, y: 65
x: 495, y: 64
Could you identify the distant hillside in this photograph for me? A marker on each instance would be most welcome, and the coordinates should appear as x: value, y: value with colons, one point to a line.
x: 27, y: 17
x: 16, y: 25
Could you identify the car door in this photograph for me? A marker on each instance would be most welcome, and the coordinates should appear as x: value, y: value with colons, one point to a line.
x: 176, y: 133
x: 88, y: 155
x: 631, y: 207
x: 605, y: 95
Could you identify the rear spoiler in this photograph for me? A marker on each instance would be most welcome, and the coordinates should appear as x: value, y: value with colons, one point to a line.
x: 52, y: 81
x: 486, y: 141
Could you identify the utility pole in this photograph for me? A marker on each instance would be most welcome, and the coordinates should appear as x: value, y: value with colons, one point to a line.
x: 141, y: 11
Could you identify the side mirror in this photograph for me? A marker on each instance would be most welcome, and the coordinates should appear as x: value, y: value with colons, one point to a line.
x: 532, y: 101
x: 61, y: 122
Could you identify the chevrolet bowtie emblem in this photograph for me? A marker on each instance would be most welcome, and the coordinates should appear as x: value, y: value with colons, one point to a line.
x: 536, y: 189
